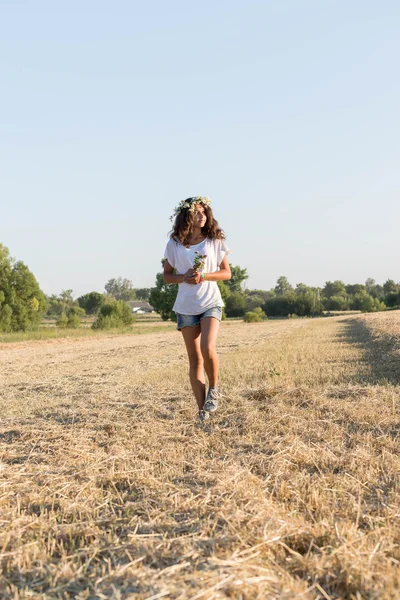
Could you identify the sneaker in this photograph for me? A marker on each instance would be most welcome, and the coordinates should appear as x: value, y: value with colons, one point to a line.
x: 203, y: 416
x: 211, y: 403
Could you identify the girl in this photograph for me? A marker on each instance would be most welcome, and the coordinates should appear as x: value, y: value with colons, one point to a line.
x: 196, y: 258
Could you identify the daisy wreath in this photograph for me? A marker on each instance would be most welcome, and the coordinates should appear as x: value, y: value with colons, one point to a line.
x: 190, y: 204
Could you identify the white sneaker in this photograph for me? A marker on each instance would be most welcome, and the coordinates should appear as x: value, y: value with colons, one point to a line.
x: 211, y: 403
x: 203, y: 416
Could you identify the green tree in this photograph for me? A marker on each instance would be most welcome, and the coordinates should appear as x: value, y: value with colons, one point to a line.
x: 264, y: 294
x: 60, y: 304
x: 66, y: 297
x: 335, y: 288
x: 370, y: 284
x: 282, y: 286
x: 379, y: 306
x: 91, y: 302
x: 336, y: 303
x: 302, y: 289
x: 390, y: 287
x: 238, y: 276
x: 54, y: 306
x: 392, y: 299
x: 162, y: 297
x: 22, y: 303
x: 223, y: 288
x: 308, y: 304
x: 302, y: 305
x: 5, y: 314
x: 366, y: 303
x: 378, y: 292
x: 120, y: 289
x: 280, y: 306
x: 374, y: 289
x: 224, y: 295
x: 143, y: 293
x: 253, y: 302
x: 355, y: 288
x: 235, y: 304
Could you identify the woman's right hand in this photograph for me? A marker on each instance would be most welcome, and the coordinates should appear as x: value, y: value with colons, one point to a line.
x: 190, y: 276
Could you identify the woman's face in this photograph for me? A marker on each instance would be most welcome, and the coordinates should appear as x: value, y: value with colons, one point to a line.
x: 199, y: 215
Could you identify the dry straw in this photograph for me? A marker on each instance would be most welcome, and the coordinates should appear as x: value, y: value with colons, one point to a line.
x: 107, y: 489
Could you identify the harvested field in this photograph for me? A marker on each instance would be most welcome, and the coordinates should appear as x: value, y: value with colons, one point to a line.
x: 108, y: 490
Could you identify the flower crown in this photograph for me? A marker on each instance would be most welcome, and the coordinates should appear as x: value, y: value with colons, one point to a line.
x: 190, y: 203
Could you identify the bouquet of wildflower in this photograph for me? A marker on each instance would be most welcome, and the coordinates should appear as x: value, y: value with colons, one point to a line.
x: 199, y: 261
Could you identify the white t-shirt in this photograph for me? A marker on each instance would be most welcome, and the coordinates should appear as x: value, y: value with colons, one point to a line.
x: 194, y: 299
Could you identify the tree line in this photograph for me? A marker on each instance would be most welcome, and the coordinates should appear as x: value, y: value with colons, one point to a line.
x: 284, y: 300
x: 23, y: 305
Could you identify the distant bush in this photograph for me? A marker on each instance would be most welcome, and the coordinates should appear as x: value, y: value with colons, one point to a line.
x: 254, y: 316
x: 62, y: 321
x: 114, y: 314
x: 70, y: 318
x: 57, y: 305
x: 73, y: 322
x: 74, y: 314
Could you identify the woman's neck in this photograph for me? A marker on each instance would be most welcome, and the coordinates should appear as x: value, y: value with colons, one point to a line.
x: 196, y: 232
x: 196, y: 236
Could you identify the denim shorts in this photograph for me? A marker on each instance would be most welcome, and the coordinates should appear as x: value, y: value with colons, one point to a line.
x: 192, y: 320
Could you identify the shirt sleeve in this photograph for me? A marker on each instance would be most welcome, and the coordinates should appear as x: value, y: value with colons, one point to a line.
x: 222, y: 251
x: 169, y: 253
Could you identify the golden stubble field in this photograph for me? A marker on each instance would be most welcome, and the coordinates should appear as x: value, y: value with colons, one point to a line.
x: 109, y: 490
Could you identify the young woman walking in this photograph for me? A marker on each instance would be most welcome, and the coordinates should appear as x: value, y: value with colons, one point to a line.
x: 196, y: 258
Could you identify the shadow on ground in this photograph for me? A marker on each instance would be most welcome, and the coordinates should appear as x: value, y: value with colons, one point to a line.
x: 381, y: 355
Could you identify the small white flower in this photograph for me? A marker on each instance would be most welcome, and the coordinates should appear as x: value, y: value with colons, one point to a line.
x: 190, y: 204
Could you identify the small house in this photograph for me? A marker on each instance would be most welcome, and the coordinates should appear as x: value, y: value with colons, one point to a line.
x: 140, y: 307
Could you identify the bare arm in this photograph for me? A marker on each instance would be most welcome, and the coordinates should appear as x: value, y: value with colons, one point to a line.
x: 170, y: 276
x: 223, y: 274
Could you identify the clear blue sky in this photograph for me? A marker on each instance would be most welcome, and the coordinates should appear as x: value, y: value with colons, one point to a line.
x: 285, y: 113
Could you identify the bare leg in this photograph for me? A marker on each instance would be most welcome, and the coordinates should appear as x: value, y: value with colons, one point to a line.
x: 191, y: 335
x: 209, y: 332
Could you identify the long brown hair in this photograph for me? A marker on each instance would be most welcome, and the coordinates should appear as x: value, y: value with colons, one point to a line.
x: 183, y: 225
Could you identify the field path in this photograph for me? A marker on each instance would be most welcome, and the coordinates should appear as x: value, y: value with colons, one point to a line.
x: 109, y: 490
x: 85, y: 366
